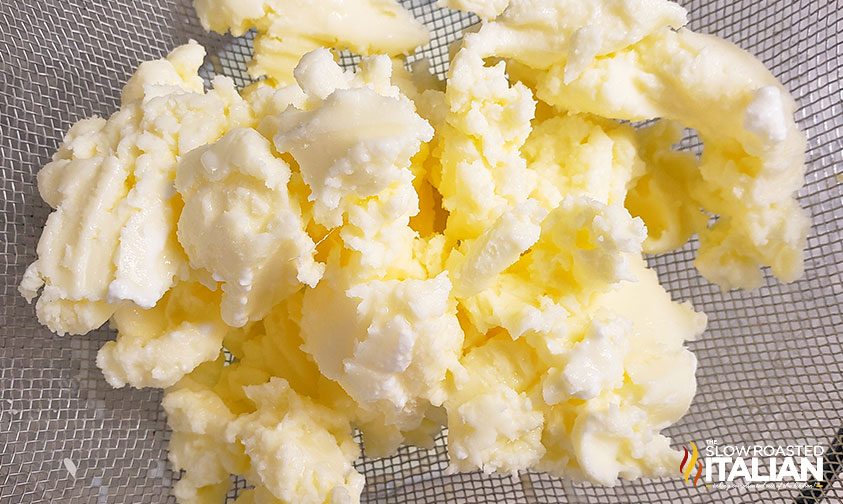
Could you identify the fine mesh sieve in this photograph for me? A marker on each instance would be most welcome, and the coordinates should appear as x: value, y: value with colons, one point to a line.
x: 770, y: 363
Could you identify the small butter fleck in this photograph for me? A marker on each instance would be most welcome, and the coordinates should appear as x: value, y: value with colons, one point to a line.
x: 70, y: 466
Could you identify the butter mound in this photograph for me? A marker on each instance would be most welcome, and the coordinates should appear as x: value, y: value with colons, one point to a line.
x: 377, y: 250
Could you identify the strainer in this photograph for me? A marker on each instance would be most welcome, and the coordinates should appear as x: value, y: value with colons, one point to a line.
x: 770, y: 363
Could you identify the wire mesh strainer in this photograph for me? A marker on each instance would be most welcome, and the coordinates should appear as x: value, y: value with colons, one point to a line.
x: 771, y: 362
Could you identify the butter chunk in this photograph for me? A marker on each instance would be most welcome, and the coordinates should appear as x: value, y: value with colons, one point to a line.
x: 111, y: 237
x: 178, y: 71
x: 354, y: 140
x: 157, y: 347
x: 593, y: 365
x: 753, y: 160
x: 569, y: 34
x: 288, y: 29
x: 498, y: 248
x: 199, y: 420
x: 354, y: 144
x: 299, y: 452
x: 575, y: 154
x: 638, y: 378
x: 483, y: 172
x: 241, y: 226
x: 667, y: 196
x: 624, y: 60
x: 486, y: 9
x: 585, y: 248
x: 389, y: 343
x: 495, y: 417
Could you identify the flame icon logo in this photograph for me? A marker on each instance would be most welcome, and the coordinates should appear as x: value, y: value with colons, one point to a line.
x: 690, y: 461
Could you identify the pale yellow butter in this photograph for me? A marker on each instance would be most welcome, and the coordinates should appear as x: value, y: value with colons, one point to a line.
x: 329, y: 250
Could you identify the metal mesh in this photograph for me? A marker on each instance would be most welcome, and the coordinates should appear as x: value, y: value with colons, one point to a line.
x: 771, y: 362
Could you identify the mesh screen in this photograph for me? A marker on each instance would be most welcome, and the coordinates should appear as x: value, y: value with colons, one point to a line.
x: 771, y: 363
